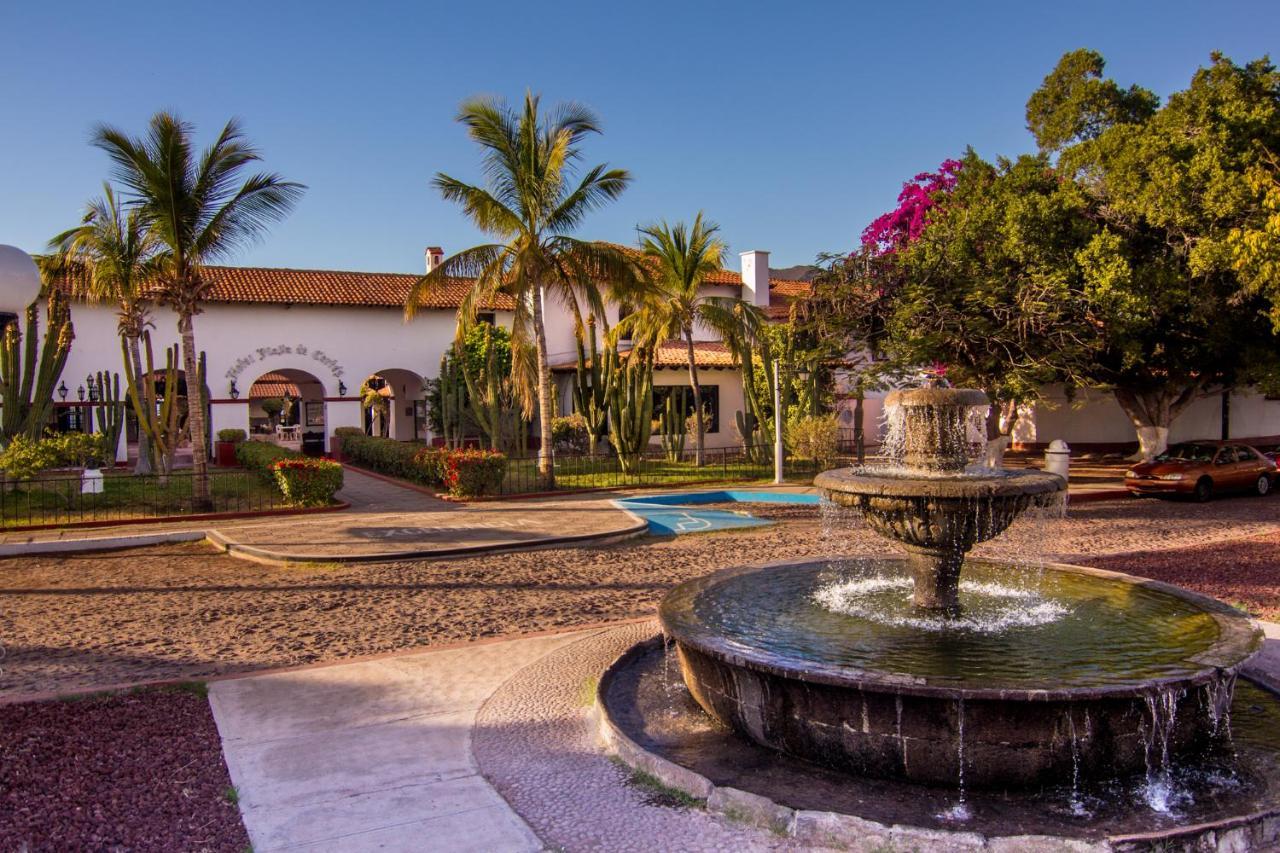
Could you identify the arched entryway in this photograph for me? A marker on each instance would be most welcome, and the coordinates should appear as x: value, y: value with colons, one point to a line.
x: 394, y: 405
x: 287, y: 405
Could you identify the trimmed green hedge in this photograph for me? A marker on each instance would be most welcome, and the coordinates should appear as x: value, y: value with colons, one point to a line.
x: 307, y: 482
x: 391, y: 457
x: 261, y: 455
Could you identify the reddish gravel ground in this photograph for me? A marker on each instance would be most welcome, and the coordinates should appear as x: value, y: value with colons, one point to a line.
x: 137, y: 771
x: 1244, y: 573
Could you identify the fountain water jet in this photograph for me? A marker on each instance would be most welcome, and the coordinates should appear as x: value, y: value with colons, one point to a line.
x: 928, y: 505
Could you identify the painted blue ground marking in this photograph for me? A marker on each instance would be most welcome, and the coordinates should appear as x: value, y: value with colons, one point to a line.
x: 672, y: 514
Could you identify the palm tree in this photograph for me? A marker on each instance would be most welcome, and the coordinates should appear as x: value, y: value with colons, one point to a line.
x: 111, y: 255
x: 199, y: 210
x: 532, y: 202
x: 681, y: 258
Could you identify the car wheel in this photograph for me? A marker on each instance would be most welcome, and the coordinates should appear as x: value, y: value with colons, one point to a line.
x: 1204, y: 490
x: 1263, y: 486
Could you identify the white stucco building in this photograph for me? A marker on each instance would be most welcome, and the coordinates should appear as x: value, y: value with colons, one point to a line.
x: 318, y: 335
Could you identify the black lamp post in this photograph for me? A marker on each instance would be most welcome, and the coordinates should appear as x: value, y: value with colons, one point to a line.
x: 62, y: 390
x: 80, y: 393
x: 234, y: 391
x: 342, y: 388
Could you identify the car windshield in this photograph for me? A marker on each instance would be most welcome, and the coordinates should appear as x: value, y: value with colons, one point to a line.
x: 1188, y: 453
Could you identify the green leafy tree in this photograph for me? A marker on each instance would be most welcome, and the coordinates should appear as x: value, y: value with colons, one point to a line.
x: 112, y: 256
x: 534, y: 200
x: 1170, y: 190
x: 1075, y: 103
x: 675, y: 307
x: 200, y: 207
x: 1255, y: 244
x: 845, y: 317
x: 991, y: 287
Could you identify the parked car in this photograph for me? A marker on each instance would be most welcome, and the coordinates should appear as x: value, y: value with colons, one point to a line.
x: 1201, y: 469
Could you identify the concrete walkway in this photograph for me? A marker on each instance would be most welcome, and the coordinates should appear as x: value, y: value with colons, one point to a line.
x: 373, y: 755
x: 385, y: 521
x: 378, y: 755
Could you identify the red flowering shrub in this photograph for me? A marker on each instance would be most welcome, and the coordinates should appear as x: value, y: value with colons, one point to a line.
x: 473, y: 472
x: 429, y: 464
x: 307, y: 482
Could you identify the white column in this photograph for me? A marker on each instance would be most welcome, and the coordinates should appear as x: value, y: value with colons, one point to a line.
x: 341, y: 413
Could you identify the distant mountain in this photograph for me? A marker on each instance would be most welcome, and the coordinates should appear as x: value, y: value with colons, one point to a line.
x: 800, y: 272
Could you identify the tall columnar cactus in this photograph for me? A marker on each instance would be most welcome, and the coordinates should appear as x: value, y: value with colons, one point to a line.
x: 453, y: 400
x: 591, y: 386
x: 29, y: 370
x: 631, y: 405
x: 485, y: 388
x: 109, y: 411
x: 674, y: 427
x: 203, y: 390
x: 755, y: 426
x: 162, y: 419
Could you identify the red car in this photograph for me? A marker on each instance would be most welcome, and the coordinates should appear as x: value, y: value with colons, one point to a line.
x: 1201, y: 469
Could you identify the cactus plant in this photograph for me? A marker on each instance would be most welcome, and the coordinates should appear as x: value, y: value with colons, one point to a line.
x: 591, y: 386
x: 162, y: 419
x: 29, y: 370
x: 453, y: 400
x: 109, y: 411
x: 630, y: 404
x: 485, y: 387
x: 674, y: 426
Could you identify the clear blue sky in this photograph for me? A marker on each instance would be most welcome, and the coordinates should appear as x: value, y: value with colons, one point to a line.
x: 792, y: 124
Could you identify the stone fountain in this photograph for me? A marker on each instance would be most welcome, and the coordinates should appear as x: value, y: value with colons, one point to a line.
x: 927, y: 505
x: 948, y: 670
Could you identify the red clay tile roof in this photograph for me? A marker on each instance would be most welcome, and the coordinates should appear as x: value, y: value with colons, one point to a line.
x: 326, y: 287
x: 338, y: 287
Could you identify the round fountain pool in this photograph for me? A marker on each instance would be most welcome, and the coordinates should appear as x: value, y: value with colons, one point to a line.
x: 1045, y: 672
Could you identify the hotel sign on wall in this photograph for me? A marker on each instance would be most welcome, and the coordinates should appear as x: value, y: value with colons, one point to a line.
x: 261, y: 354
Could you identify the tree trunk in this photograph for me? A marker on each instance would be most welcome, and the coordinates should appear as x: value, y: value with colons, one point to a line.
x: 1153, y: 411
x: 859, y: 425
x: 196, y: 424
x: 546, y: 459
x: 144, y: 463
x: 700, y: 433
x: 1001, y: 418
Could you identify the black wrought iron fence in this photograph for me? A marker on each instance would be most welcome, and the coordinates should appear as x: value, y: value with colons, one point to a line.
x: 655, y: 468
x: 59, y: 498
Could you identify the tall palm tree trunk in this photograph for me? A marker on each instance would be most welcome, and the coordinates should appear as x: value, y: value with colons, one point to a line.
x: 196, y: 424
x: 699, y: 455
x: 546, y: 462
x: 143, y: 465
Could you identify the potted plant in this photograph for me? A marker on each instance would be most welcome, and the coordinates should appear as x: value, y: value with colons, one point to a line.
x: 86, y: 451
x: 225, y: 447
x: 272, y: 407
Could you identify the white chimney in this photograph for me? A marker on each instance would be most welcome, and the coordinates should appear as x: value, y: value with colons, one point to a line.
x: 435, y: 257
x: 755, y: 277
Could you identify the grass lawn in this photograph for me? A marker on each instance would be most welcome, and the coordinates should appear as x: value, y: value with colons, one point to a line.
x: 574, y: 472
x: 56, y: 498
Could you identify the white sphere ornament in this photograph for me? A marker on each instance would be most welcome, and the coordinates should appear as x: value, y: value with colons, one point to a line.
x: 19, y: 280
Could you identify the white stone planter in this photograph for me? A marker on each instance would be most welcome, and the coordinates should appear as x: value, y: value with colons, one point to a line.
x: 91, y: 481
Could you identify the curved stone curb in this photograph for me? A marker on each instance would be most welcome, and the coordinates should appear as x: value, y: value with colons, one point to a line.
x: 228, y: 545
x: 103, y: 543
x: 849, y: 832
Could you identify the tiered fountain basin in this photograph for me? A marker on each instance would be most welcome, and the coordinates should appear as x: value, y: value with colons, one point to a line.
x: 1042, y: 674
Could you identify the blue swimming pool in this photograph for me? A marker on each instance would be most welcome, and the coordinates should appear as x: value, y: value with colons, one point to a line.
x: 675, y: 513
